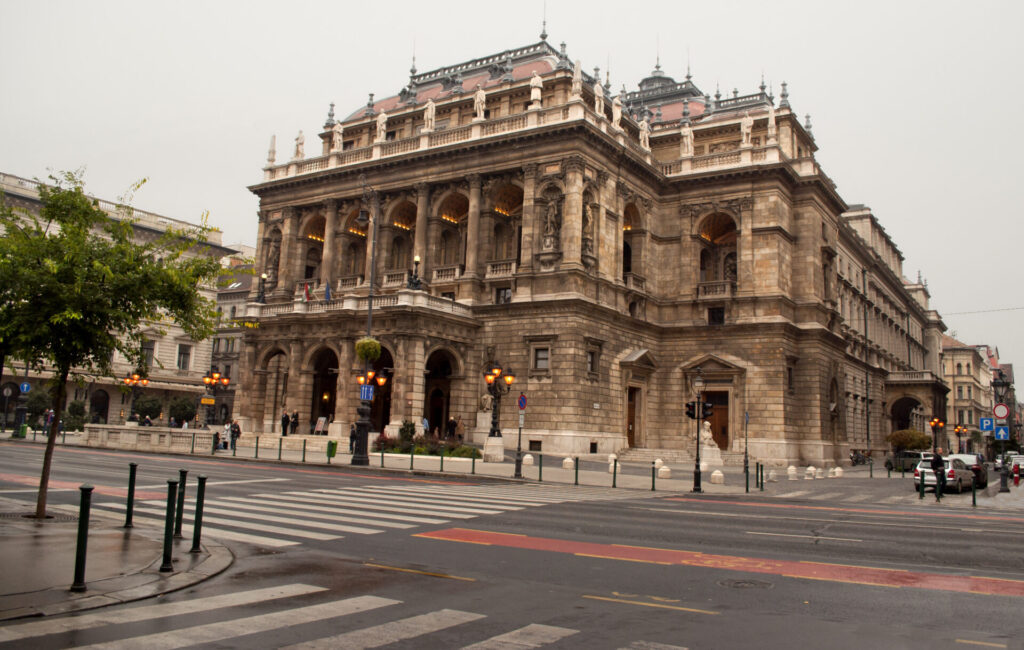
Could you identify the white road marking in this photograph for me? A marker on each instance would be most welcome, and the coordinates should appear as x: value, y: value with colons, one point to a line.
x: 380, y: 635
x: 531, y: 636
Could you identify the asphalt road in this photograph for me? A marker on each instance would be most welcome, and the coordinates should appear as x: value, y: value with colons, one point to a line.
x: 364, y: 559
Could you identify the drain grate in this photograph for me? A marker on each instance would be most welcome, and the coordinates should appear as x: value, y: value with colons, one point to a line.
x: 746, y: 584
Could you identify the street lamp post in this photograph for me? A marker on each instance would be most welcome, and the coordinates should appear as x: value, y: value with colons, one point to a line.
x: 698, y: 389
x: 497, y: 385
x: 999, y: 387
x: 937, y: 424
x: 959, y: 430
x: 360, y: 455
x: 261, y: 295
x: 415, y: 282
x: 136, y: 381
x: 214, y: 381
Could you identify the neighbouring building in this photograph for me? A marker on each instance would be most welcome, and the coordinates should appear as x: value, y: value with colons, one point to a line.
x: 175, y: 363
x: 609, y: 250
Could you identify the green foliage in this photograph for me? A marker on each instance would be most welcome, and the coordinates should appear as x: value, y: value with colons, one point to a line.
x: 908, y: 439
x: 368, y: 349
x: 147, y: 405
x: 37, y: 402
x: 422, y: 445
x: 75, y: 419
x: 182, y: 409
x: 407, y: 431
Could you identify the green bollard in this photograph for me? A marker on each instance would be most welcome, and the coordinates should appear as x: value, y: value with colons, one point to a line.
x: 762, y: 477
x: 172, y: 492
x: 576, y: 468
x: 472, y: 467
x: 382, y: 457
x: 197, y: 520
x: 871, y: 468
x: 888, y: 472
x: 652, y: 476
x: 234, y: 451
x: 63, y: 437
x: 974, y: 494
x: 130, y: 506
x: 442, y: 461
x: 257, y: 453
x: 746, y: 478
x: 615, y: 471
x: 412, y: 456
x: 540, y: 468
x: 922, y: 488
x: 83, y: 538
x: 280, y: 441
x: 182, y: 476
x: 193, y: 449
x: 303, y: 450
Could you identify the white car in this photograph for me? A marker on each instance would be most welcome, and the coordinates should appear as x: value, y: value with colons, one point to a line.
x: 958, y: 475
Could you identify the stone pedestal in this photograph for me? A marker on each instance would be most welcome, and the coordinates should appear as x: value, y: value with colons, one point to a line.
x: 711, y: 455
x: 494, y: 450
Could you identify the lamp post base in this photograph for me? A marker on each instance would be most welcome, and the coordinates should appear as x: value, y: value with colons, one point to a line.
x: 696, y: 478
x: 360, y: 455
x: 494, y: 449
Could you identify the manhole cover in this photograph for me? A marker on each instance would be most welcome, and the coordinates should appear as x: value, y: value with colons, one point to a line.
x: 746, y: 584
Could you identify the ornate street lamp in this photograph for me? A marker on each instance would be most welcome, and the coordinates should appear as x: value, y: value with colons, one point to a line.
x: 415, y: 282
x: 937, y: 424
x: 999, y: 387
x: 136, y: 381
x: 261, y: 295
x: 497, y: 385
x: 360, y: 455
x: 959, y: 430
x: 214, y: 381
x: 698, y: 389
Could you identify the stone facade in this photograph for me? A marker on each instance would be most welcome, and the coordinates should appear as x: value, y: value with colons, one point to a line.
x: 604, y: 272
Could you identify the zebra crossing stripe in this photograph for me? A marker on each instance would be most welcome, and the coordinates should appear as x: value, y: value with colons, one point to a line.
x: 531, y: 636
x: 131, y: 615
x: 315, y: 512
x: 510, y: 494
x: 212, y: 531
x: 238, y: 514
x: 419, y: 504
x: 827, y: 495
x: 459, y: 496
x: 277, y: 530
x: 789, y: 495
x: 213, y: 632
x: 374, y: 504
x: 380, y: 635
x: 319, y: 503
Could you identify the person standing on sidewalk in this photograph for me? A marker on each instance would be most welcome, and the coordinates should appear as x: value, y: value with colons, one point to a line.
x: 236, y: 433
x: 352, y: 439
x: 939, y: 467
x: 295, y: 422
x: 285, y: 421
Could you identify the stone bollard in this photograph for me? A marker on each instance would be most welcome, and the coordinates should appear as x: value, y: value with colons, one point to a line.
x: 831, y: 472
x: 839, y: 472
x: 819, y: 473
x: 704, y: 467
x: 664, y: 472
x: 611, y: 458
x: 717, y: 477
x: 528, y: 459
x: 809, y: 474
x: 773, y: 476
x: 611, y: 467
x: 791, y: 473
x: 658, y: 463
x: 567, y: 463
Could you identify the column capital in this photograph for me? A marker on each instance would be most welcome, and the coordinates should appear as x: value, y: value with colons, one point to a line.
x: 530, y: 170
x: 331, y: 205
x: 573, y: 164
x: 475, y: 181
x: 421, y: 188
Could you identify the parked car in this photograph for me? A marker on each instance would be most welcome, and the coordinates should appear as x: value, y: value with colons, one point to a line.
x: 977, y: 465
x: 906, y: 460
x: 958, y: 475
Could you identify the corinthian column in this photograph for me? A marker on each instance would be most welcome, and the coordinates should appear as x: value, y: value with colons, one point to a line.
x: 327, y: 261
x: 572, y: 213
x: 529, y: 227
x: 287, y: 266
x: 473, y: 226
x: 420, y: 244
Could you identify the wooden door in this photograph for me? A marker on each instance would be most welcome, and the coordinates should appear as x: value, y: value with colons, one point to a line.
x: 632, y: 394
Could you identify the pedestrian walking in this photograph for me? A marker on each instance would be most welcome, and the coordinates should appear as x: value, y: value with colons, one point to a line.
x: 236, y: 433
x: 939, y: 467
x: 295, y: 422
x: 352, y: 439
x: 426, y: 425
x: 450, y: 430
x: 285, y: 423
x: 460, y: 428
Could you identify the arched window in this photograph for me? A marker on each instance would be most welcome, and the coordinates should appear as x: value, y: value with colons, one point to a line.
x: 502, y: 242
x: 354, y: 258
x: 398, y: 256
x: 449, y: 248
x: 627, y: 259
x: 959, y: 369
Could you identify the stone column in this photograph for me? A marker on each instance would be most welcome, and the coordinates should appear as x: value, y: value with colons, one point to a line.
x: 293, y: 390
x: 604, y: 241
x: 249, y: 394
x: 371, y: 234
x: 422, y: 208
x: 327, y: 263
x: 344, y: 397
x: 572, y: 213
x: 618, y: 195
x: 473, y: 227
x: 289, y: 246
x: 528, y: 221
x: 261, y: 254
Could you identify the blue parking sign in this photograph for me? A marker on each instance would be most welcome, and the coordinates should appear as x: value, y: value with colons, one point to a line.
x: 1002, y: 433
x: 986, y: 424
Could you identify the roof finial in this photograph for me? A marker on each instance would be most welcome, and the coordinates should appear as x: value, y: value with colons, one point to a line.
x: 608, y: 73
x: 657, y: 51
x: 762, y: 86
x: 330, y: 117
x: 544, y: 23
x: 784, y: 97
x: 807, y: 122
x: 687, y: 62
x: 412, y: 70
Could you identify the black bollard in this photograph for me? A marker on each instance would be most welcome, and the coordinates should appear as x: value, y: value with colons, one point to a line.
x: 182, y: 475
x: 132, y: 467
x: 172, y: 492
x: 197, y: 521
x: 83, y: 538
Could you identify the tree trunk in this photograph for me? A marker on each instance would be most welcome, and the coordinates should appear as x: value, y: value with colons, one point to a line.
x: 60, y: 391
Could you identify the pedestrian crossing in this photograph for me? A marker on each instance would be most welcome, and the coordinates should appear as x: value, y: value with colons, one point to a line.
x: 289, y: 518
x: 853, y: 497
x: 381, y: 621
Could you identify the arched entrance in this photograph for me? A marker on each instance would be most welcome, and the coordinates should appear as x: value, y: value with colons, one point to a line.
x: 719, y: 418
x: 380, y: 411
x: 325, y: 379
x: 902, y: 413
x: 275, y: 390
x: 440, y: 368
x: 99, y: 405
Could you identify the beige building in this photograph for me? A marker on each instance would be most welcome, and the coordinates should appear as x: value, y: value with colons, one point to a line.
x: 607, y: 249
x: 176, y: 363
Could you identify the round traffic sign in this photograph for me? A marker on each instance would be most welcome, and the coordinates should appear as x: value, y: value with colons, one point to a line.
x: 1001, y: 411
x: 25, y: 387
x: 522, y: 401
x: 7, y: 391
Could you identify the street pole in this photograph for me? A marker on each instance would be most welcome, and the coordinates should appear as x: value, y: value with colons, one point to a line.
x: 700, y: 414
x: 746, y: 445
x: 519, y: 443
x: 360, y: 455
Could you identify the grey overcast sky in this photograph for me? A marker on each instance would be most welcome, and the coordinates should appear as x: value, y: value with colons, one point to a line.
x: 914, y: 105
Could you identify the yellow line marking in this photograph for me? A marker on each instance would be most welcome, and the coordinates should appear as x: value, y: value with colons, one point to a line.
x: 658, y: 605
x: 854, y: 566
x: 423, y: 573
x: 984, y: 643
x: 445, y: 539
x: 624, y: 559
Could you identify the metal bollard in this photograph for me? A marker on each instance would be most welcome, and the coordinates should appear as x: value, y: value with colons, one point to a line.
x: 762, y: 477
x: 303, y: 449
x: 234, y: 451
x: 182, y: 476
x: 172, y: 493
x: 213, y: 444
x: 382, y: 457
x: 472, y: 466
x: 63, y: 437
x: 974, y: 494
x: 279, y: 441
x: 197, y: 521
x: 442, y: 460
x: 653, y: 474
x: 615, y: 471
x: 412, y: 456
x: 922, y: 488
x: 83, y: 538
x: 540, y: 468
x: 130, y: 506
x: 257, y: 454
x: 576, y: 469
x: 193, y: 449
x: 746, y: 478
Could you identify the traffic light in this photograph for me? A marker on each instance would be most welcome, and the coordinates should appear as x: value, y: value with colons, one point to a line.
x: 691, y: 410
x: 708, y: 408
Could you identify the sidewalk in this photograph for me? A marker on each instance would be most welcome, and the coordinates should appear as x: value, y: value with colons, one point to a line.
x: 122, y: 564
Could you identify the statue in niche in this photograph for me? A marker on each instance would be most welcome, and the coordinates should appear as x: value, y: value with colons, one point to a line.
x: 272, y: 260
x: 486, y: 401
x: 577, y: 79
x: 730, y: 268
x: 479, y: 102
x: 551, y: 219
x: 300, y: 146
x: 588, y: 221
x: 536, y: 85
x: 746, y: 128
x: 382, y: 126
x: 686, y: 144
x: 645, y: 134
x: 616, y: 111
x: 338, y: 131
x: 429, y: 114
x: 706, y: 439
x: 599, y: 98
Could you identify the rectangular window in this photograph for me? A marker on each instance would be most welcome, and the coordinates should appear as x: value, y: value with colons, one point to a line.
x: 216, y: 346
x: 448, y: 295
x: 960, y: 416
x: 591, y: 361
x: 959, y: 392
x: 716, y: 315
x: 969, y: 391
x: 541, y: 358
x: 502, y: 295
x: 148, y: 352
x: 227, y: 371
x: 789, y: 378
x: 184, y: 356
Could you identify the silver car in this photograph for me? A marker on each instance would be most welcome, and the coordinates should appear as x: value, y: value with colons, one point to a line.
x: 958, y: 475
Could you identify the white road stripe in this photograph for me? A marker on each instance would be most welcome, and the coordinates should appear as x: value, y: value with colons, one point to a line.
x: 372, y: 504
x: 213, y: 632
x: 531, y: 636
x: 161, y: 610
x: 789, y: 495
x: 314, y: 511
x: 380, y: 635
x: 277, y: 530
x: 209, y: 483
x: 857, y: 498
x: 827, y: 495
x: 444, y: 498
x: 319, y: 502
x: 213, y: 531
x: 236, y: 512
x: 417, y: 504
x: 490, y: 497
x: 541, y: 495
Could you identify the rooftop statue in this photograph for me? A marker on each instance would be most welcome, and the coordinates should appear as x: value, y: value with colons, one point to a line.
x: 645, y: 134
x: 536, y: 85
x: 429, y: 112
x: 598, y: 98
x: 382, y: 126
x: 746, y: 128
x: 338, y: 131
x: 300, y: 146
x: 616, y: 111
x: 577, y: 79
x: 686, y: 140
x: 479, y: 102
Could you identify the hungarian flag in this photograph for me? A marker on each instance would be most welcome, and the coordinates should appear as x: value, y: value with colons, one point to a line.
x: 306, y: 290
x: 327, y: 292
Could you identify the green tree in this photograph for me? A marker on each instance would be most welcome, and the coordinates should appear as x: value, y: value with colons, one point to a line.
x: 182, y: 408
x: 77, y: 284
x: 75, y: 420
x: 908, y: 439
x: 147, y: 405
x: 37, y: 403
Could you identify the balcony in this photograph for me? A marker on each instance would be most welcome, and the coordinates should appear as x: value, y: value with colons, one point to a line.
x: 718, y: 290
x: 503, y: 269
x: 401, y: 298
x: 634, y: 281
x: 447, y: 273
x: 349, y: 282
x: 394, y: 278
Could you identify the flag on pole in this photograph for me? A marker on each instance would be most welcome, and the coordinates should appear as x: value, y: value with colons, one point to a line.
x: 327, y: 292
x: 307, y: 292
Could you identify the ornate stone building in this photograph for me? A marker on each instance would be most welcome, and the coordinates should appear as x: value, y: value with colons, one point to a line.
x: 605, y: 249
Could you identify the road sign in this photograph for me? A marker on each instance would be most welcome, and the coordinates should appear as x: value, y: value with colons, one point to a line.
x: 1002, y: 433
x: 522, y: 402
x: 522, y: 419
x: 366, y: 392
x: 208, y: 401
x: 986, y: 424
x: 1001, y: 411
x: 24, y: 387
x: 7, y: 391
